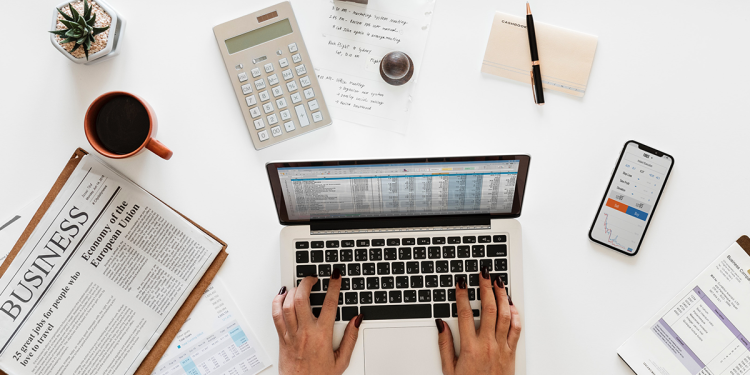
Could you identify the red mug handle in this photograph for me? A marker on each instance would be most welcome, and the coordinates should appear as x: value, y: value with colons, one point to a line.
x: 159, y: 149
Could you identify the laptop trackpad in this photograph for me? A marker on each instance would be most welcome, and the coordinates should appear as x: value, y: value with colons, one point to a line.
x: 404, y: 350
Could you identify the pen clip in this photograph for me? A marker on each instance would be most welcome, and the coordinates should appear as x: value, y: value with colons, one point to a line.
x: 533, y: 88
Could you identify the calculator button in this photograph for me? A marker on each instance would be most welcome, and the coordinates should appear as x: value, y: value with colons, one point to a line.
x: 263, y: 135
x: 309, y: 93
x: 276, y: 131
x: 313, y: 105
x: 317, y: 116
x: 287, y: 74
x: 268, y: 107
x: 255, y: 72
x: 301, y: 115
x: 300, y: 69
x: 268, y: 67
x: 289, y: 125
x: 272, y: 119
x: 283, y: 63
x: 264, y: 96
x: 281, y: 103
x: 260, y: 84
x: 304, y: 81
x: 291, y: 86
x: 293, y: 48
x: 242, y: 76
x: 285, y: 115
x: 250, y: 100
x: 246, y: 89
x: 254, y: 112
x: 259, y: 124
x: 296, y: 58
x: 273, y: 79
x: 277, y: 91
x: 296, y: 98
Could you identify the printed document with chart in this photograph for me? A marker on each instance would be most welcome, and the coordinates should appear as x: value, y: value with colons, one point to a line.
x: 704, y: 330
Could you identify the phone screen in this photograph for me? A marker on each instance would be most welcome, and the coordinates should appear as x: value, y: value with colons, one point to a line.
x: 631, y: 198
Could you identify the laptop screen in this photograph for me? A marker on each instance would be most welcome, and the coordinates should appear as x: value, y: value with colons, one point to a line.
x: 385, y: 189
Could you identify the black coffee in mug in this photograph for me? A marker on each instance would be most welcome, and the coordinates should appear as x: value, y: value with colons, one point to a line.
x: 122, y: 125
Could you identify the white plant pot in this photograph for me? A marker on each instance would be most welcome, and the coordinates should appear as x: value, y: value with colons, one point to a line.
x: 116, y: 29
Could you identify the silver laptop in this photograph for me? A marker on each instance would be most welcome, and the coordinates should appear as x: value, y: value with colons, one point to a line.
x: 401, y: 231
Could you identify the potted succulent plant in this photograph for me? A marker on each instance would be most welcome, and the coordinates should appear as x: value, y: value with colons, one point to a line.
x: 86, y: 32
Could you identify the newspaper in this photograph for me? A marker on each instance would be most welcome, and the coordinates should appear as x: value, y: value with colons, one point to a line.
x: 99, y: 279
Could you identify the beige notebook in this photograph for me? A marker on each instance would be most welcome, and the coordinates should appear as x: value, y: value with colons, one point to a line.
x: 565, y: 56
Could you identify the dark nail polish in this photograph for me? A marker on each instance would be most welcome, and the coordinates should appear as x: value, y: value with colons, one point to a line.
x: 282, y: 290
x: 510, y: 300
x: 440, y: 325
x: 500, y: 283
x: 358, y: 320
x: 461, y: 282
x: 336, y: 274
x: 485, y: 273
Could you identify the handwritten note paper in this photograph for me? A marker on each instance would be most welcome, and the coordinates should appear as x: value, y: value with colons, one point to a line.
x: 354, y: 39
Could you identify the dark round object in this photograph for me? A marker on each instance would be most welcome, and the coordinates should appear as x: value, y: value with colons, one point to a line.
x: 396, y: 68
x: 122, y: 125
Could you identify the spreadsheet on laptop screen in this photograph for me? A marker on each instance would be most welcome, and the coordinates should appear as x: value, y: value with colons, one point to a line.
x: 388, y: 190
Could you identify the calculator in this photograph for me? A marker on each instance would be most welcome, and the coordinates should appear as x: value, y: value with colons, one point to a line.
x: 272, y: 75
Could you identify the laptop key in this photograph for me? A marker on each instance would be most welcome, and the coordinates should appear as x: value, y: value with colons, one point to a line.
x: 347, y: 243
x: 420, y: 253
x: 373, y: 283
x: 347, y: 255
x: 365, y: 298
x: 457, y: 266
x: 485, y: 263
x: 424, y: 296
x: 317, y: 245
x: 303, y: 257
x: 471, y: 265
x: 438, y: 295
x: 477, y: 251
x: 502, y: 276
x: 302, y: 245
x: 316, y: 256
x: 423, y: 241
x: 332, y: 256
x: 428, y: 266
x: 389, y: 253
x: 358, y: 283
x: 386, y: 282
x: 380, y: 242
x: 499, y: 238
x: 304, y: 271
x: 472, y: 294
x: 402, y: 282
x: 347, y: 313
x: 396, y: 312
x: 384, y: 268
x: 446, y: 281
x: 325, y: 284
x: 345, y: 284
x: 452, y: 295
x: 376, y: 254
x: 368, y: 268
x: 431, y: 281
x: 324, y: 270
x: 360, y: 255
x: 397, y: 268
x: 412, y: 267
x: 350, y: 298
x: 485, y: 239
x: 441, y: 310
x: 417, y: 282
x: 473, y: 279
x: 341, y: 267
x: 464, y: 252
x: 441, y: 266
x: 393, y: 242
x: 404, y: 253
x: 407, y: 241
x: 501, y: 264
x: 410, y: 296
x: 316, y: 286
x: 394, y: 296
x: 363, y: 243
x: 497, y: 250
x: 316, y: 299
x: 470, y: 239
x: 449, y: 252
x: 438, y: 240
x: 433, y: 252
x: 381, y: 297
x: 354, y: 269
x: 330, y: 244
x: 454, y: 240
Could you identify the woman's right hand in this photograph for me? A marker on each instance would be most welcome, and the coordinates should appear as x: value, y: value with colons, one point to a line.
x: 491, y: 349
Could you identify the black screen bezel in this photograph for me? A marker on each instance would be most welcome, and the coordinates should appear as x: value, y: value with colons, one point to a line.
x: 643, y: 147
x: 273, y: 177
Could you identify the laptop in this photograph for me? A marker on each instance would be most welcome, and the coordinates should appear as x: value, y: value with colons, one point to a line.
x: 401, y: 231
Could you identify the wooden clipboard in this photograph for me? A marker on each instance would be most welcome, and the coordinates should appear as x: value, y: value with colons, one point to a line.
x: 152, y: 358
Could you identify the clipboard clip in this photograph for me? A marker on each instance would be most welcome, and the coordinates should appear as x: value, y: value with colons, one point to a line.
x: 533, y: 89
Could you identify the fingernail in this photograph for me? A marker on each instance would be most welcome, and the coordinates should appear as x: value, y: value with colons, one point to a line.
x: 500, y: 283
x: 282, y: 290
x: 440, y: 325
x: 485, y: 273
x: 358, y: 320
x: 336, y: 274
x: 461, y: 283
x: 510, y: 300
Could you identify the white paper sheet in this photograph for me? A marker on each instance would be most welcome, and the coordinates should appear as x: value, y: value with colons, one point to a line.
x: 215, y: 339
x: 353, y: 39
x: 12, y: 226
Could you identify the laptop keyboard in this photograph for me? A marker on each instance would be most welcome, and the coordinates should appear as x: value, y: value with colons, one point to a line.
x: 401, y: 278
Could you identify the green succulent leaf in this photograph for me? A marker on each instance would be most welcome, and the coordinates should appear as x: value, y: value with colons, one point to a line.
x: 82, y: 39
x: 87, y: 44
x: 68, y: 40
x: 86, y: 51
x: 75, y: 47
x: 99, y: 30
x: 92, y: 20
x: 59, y: 32
x: 86, y: 9
x: 73, y: 12
x: 69, y: 24
x: 65, y: 16
x: 72, y: 32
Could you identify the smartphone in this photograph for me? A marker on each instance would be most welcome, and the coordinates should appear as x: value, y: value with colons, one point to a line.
x: 631, y: 198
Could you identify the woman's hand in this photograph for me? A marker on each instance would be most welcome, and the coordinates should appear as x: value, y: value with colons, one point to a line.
x: 305, y: 342
x: 491, y: 349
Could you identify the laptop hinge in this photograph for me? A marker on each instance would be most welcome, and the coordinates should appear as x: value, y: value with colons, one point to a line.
x: 393, y: 224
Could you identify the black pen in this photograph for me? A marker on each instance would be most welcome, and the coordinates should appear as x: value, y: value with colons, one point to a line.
x: 536, y: 71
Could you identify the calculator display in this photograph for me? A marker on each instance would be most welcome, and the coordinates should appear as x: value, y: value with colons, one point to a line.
x: 258, y: 36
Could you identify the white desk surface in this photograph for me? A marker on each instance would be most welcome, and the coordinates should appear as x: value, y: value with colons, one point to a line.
x: 669, y: 74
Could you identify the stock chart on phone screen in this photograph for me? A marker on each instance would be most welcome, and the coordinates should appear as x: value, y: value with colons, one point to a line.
x: 631, y: 198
